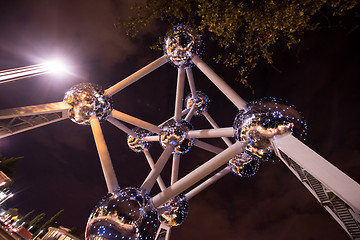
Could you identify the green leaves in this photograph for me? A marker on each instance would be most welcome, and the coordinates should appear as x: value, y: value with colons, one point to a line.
x: 49, y: 223
x: 247, y: 31
x: 7, y: 165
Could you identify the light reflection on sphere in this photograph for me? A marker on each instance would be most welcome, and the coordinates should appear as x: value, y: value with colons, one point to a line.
x: 181, y: 43
x: 202, y: 102
x: 244, y: 164
x: 175, y: 216
x: 138, y: 144
x: 123, y: 214
x: 86, y: 100
x: 175, y: 133
x: 265, y: 119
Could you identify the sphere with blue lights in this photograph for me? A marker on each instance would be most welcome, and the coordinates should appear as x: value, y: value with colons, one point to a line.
x: 201, y: 102
x: 175, y: 133
x: 177, y: 211
x: 244, y: 164
x: 181, y: 43
x: 123, y: 214
x: 265, y: 119
x: 87, y: 100
x: 137, y: 143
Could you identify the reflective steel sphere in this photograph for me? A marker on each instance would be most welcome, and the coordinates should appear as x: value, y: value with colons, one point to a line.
x: 123, y: 214
x: 244, y: 164
x: 138, y: 144
x: 86, y: 100
x: 265, y: 119
x: 181, y: 43
x: 202, y: 102
x: 176, y: 134
x: 178, y: 210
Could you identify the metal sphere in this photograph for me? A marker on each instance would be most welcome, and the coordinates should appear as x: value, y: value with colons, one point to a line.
x: 86, y: 100
x: 202, y: 102
x: 181, y: 43
x: 244, y: 164
x: 178, y: 210
x: 265, y: 119
x: 123, y: 214
x: 175, y: 133
x: 138, y: 144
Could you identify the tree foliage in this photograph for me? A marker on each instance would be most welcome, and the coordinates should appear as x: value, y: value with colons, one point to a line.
x: 48, y: 223
x: 7, y: 165
x: 73, y: 231
x: 12, y: 212
x: 24, y: 218
x: 247, y: 31
x: 33, y: 224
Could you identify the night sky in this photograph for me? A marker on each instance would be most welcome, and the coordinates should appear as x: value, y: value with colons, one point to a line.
x: 61, y: 169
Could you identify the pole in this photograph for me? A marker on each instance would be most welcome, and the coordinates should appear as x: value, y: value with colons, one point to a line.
x: 151, y: 164
x: 207, y: 183
x: 212, y: 133
x: 179, y: 94
x: 214, y: 125
x: 207, y: 146
x: 105, y: 160
x: 136, y: 76
x: 191, y: 81
x: 158, y: 167
x: 219, y: 83
x: 152, y: 138
x: 191, y: 113
x: 175, y: 168
x: 121, y: 126
x: 198, y: 174
x: 135, y: 121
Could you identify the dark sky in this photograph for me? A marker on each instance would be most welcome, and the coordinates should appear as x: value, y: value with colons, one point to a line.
x: 61, y: 167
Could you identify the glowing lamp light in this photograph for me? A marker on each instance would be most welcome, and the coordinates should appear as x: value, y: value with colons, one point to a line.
x: 56, y: 66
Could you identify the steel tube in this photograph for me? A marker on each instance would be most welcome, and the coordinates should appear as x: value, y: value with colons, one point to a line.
x: 191, y: 82
x: 208, y: 147
x: 207, y: 183
x: 153, y: 138
x: 179, y: 94
x: 136, y: 76
x: 135, y: 121
x: 214, y: 125
x: 152, y: 164
x: 198, y: 174
x: 190, y: 113
x: 121, y: 126
x: 105, y: 160
x: 219, y: 83
x: 212, y: 133
x: 158, y: 167
x: 175, y: 168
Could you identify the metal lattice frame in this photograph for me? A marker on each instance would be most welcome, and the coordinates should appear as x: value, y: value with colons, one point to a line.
x: 335, y: 191
x: 338, y: 194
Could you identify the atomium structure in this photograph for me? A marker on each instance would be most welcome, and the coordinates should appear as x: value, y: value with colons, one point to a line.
x: 262, y: 130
